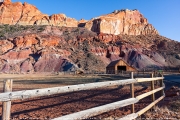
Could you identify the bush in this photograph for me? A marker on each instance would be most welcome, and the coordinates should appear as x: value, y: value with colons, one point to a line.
x: 10, y: 30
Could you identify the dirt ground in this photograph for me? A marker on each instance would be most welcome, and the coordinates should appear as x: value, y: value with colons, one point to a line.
x: 62, y: 104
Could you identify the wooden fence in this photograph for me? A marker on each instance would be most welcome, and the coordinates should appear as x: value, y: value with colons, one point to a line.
x: 9, y: 96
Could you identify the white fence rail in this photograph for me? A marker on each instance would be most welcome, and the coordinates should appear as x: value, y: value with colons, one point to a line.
x: 9, y: 96
x: 98, y: 110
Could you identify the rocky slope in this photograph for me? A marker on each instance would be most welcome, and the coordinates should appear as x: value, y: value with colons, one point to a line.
x: 34, y: 42
x: 53, y: 49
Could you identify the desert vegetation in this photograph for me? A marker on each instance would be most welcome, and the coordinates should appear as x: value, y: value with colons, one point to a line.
x: 7, y: 31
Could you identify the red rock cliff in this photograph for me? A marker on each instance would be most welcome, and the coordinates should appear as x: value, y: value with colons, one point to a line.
x: 130, y: 22
x: 27, y: 14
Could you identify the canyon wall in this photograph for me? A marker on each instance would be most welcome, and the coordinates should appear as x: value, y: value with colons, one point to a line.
x: 129, y: 22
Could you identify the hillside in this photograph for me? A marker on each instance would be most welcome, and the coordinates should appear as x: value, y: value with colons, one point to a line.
x: 35, y: 42
x: 53, y: 49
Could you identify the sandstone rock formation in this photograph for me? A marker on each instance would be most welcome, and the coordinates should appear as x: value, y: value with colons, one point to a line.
x: 5, y: 46
x: 27, y: 14
x: 130, y: 22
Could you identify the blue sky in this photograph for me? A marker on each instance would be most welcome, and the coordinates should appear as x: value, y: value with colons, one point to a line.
x: 163, y: 14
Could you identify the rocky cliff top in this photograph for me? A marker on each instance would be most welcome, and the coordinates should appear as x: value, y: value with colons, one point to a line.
x: 6, y: 2
x: 130, y: 22
x: 27, y: 14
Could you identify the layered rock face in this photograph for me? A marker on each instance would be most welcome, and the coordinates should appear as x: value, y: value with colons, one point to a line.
x: 34, y: 53
x: 56, y: 49
x: 27, y: 14
x: 130, y: 22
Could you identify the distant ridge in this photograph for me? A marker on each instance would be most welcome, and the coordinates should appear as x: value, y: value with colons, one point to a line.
x: 129, y: 22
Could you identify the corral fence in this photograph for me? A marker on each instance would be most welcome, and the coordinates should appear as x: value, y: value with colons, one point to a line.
x: 110, y: 73
x: 9, y: 96
x: 138, y: 73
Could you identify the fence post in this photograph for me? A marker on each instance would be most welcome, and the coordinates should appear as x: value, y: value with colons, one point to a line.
x: 143, y: 72
x: 161, y: 85
x: 132, y: 93
x: 152, y: 88
x: 155, y: 75
x: 6, y: 109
